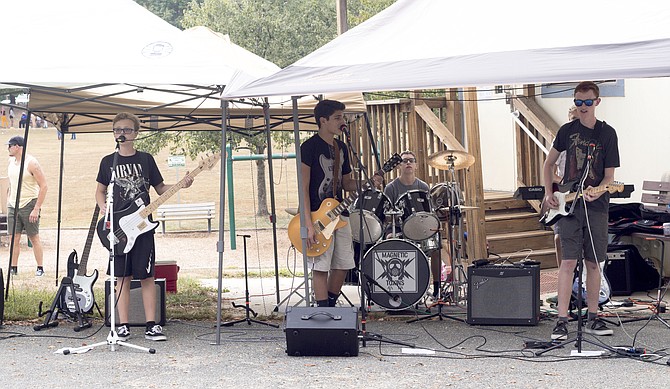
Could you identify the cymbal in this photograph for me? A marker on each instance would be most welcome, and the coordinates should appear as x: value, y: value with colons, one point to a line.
x: 444, y: 159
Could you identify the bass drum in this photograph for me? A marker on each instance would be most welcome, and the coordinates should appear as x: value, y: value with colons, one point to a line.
x: 396, y: 274
x: 372, y: 204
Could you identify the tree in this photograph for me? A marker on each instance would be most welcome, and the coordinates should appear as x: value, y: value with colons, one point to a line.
x: 281, y: 31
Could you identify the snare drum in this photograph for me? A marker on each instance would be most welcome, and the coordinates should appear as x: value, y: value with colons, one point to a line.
x: 372, y: 204
x: 418, y: 220
x: 396, y: 273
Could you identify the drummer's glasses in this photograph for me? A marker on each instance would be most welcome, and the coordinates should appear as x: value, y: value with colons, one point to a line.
x: 409, y: 160
x: 588, y: 102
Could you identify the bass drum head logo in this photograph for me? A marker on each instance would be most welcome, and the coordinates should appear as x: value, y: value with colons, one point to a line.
x: 157, y: 49
x: 396, y: 270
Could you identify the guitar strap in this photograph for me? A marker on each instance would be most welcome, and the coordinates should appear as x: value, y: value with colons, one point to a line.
x: 336, y: 168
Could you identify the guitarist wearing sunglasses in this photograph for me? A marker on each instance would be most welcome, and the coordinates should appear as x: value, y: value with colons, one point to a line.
x: 136, y: 172
x: 592, y: 155
x: 326, y: 171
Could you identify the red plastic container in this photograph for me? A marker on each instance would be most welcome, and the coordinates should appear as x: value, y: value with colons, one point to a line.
x: 168, y: 270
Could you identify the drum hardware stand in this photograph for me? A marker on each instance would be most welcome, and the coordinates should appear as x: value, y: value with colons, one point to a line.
x: 51, y: 319
x: 246, y: 307
x: 659, y: 296
x: 113, y: 338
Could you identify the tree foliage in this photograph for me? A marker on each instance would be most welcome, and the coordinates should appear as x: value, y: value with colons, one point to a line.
x: 172, y: 11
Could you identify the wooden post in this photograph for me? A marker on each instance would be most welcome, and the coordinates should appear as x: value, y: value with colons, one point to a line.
x: 341, y: 9
x: 474, y: 195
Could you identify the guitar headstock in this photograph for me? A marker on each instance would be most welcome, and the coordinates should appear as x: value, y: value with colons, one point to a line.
x: 392, y: 163
x: 615, y: 186
x: 209, y: 162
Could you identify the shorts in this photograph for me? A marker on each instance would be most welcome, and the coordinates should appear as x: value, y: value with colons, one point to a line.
x: 23, y: 220
x: 340, y: 253
x: 139, y: 262
x: 575, y: 236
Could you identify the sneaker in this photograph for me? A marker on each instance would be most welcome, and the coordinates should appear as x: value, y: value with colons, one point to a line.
x: 123, y: 332
x: 598, y: 327
x: 14, y: 271
x: 39, y: 272
x: 155, y: 333
x: 552, y: 299
x: 560, y: 331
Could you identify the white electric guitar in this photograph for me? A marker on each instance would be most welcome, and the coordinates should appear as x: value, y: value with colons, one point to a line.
x: 551, y: 216
x: 133, y: 221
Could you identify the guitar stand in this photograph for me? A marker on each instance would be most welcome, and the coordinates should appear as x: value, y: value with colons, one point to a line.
x: 51, y: 319
x: 246, y: 307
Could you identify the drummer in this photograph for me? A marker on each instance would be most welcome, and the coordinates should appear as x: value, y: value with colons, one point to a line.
x: 395, y: 189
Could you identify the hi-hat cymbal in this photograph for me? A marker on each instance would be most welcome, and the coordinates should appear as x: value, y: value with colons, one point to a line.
x: 443, y: 160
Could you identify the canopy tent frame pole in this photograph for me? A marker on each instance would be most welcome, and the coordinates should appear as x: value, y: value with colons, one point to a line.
x: 59, y: 211
x: 301, y: 199
x: 273, y: 208
x: 220, y: 246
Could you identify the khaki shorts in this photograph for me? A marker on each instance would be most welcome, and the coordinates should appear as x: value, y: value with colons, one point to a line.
x: 340, y: 254
x: 23, y: 220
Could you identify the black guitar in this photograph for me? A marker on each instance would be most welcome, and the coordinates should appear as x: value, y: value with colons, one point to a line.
x: 83, y: 284
x: 133, y: 221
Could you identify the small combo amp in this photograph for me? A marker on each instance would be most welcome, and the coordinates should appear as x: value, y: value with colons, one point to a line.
x: 136, y: 316
x: 504, y: 294
x: 321, y: 331
x: 617, y: 271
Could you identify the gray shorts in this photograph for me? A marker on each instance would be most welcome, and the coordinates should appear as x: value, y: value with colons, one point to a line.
x: 576, y: 235
x: 23, y: 220
x: 340, y: 254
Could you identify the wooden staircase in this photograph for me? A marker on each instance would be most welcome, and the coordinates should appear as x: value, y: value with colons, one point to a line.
x: 513, y: 231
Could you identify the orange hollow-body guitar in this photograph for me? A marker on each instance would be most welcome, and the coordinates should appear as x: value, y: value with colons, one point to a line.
x: 326, y: 219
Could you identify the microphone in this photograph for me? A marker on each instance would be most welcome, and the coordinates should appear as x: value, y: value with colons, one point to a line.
x: 345, y: 131
x: 592, y: 149
x: 121, y: 139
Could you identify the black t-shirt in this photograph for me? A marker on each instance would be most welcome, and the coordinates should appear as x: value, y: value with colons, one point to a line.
x: 134, y: 176
x: 575, y: 138
x: 319, y: 156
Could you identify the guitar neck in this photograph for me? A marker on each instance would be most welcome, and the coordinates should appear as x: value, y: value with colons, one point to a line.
x: 149, y: 209
x: 81, y: 269
x: 346, y: 203
x: 572, y: 196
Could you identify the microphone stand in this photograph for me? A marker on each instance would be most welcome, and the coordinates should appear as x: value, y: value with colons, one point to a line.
x: 579, y: 338
x: 112, y: 338
x: 365, y: 336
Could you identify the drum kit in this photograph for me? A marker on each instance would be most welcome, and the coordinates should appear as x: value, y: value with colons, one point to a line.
x: 395, y: 269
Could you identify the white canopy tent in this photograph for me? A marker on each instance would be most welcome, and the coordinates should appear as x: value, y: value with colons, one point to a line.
x: 422, y: 44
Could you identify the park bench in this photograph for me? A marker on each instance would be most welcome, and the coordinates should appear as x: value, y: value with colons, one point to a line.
x: 194, y: 211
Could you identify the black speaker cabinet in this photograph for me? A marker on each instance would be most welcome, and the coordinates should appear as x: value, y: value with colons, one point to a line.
x: 136, y: 316
x: 617, y: 271
x: 321, y: 331
x: 504, y: 295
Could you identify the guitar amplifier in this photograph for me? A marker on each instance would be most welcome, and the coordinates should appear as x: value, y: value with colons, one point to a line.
x: 321, y: 331
x: 617, y: 271
x: 504, y: 295
x: 136, y: 317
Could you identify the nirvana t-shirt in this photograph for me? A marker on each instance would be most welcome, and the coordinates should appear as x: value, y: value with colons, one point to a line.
x: 320, y: 157
x: 134, y: 176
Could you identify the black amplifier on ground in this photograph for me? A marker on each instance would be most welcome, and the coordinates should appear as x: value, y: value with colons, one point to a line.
x: 617, y: 272
x: 504, y: 294
x: 136, y: 316
x: 321, y: 331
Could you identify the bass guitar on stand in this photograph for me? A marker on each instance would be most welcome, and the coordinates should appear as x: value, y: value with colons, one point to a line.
x: 326, y: 219
x: 83, y: 284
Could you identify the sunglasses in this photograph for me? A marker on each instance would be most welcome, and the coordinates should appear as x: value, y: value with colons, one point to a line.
x: 588, y: 102
x: 409, y: 160
x: 124, y: 130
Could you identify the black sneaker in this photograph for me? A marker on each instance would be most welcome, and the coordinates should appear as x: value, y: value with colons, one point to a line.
x: 598, y: 327
x: 123, y: 332
x: 560, y: 331
x: 14, y: 271
x: 39, y: 272
x: 155, y: 333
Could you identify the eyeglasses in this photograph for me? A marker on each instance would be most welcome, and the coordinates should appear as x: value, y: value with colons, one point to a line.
x: 409, y: 160
x: 124, y: 130
x: 588, y: 102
